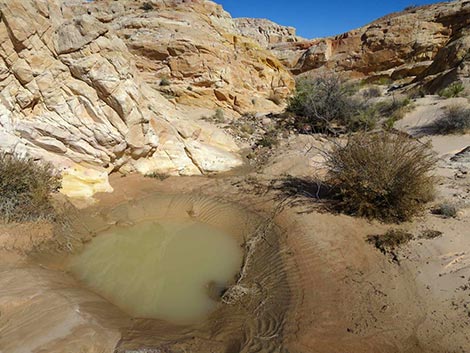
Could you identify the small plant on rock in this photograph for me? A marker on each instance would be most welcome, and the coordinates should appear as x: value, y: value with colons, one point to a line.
x: 455, y: 89
x: 165, y: 81
x: 269, y: 140
x: 381, y: 175
x: 147, y: 6
x: 411, y: 7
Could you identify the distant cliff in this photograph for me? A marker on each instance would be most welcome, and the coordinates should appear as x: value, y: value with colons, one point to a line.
x: 428, y: 44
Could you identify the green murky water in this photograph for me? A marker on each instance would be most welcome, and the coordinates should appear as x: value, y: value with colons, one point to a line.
x: 157, y: 270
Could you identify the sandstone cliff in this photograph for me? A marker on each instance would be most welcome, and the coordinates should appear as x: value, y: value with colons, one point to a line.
x: 194, y: 53
x: 71, y: 94
x: 267, y: 33
x: 429, y: 43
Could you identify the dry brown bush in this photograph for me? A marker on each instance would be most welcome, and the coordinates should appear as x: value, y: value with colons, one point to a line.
x: 381, y: 175
x: 26, y: 187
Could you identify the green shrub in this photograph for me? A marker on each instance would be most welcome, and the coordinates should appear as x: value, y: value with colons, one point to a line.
x: 156, y: 175
x: 147, y: 6
x: 456, y: 120
x: 26, y: 187
x: 371, y: 92
x: 269, y: 140
x: 393, y: 110
x: 453, y: 90
x: 247, y: 129
x: 218, y: 116
x: 326, y: 103
x: 393, y: 107
x: 165, y: 82
x: 447, y: 210
x: 382, y: 175
x: 382, y: 81
x: 364, y: 119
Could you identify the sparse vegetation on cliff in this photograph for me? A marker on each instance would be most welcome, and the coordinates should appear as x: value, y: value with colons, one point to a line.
x: 165, y: 81
x: 381, y: 175
x: 146, y: 6
x: 26, y: 186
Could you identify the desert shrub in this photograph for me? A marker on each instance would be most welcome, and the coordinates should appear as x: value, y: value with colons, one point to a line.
x: 326, y: 103
x: 393, y: 110
x: 430, y: 234
x: 156, y: 175
x: 455, y: 89
x: 418, y: 93
x: 391, y: 240
x: 218, y: 116
x: 165, y: 82
x: 381, y: 81
x: 371, y: 92
x: 448, y: 210
x: 268, y: 140
x: 365, y: 118
x: 456, y: 120
x: 247, y: 129
x: 26, y: 187
x: 147, y: 6
x: 393, y: 107
x: 381, y: 175
x: 411, y: 8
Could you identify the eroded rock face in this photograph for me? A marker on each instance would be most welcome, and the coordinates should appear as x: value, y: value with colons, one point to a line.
x: 71, y: 95
x: 452, y: 63
x: 266, y: 32
x: 194, y: 53
x: 418, y: 42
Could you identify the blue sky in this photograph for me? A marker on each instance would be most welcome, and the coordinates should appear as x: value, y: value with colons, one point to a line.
x: 318, y: 18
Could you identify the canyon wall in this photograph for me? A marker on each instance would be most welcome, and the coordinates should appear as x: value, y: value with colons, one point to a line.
x: 428, y: 44
x: 79, y: 86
